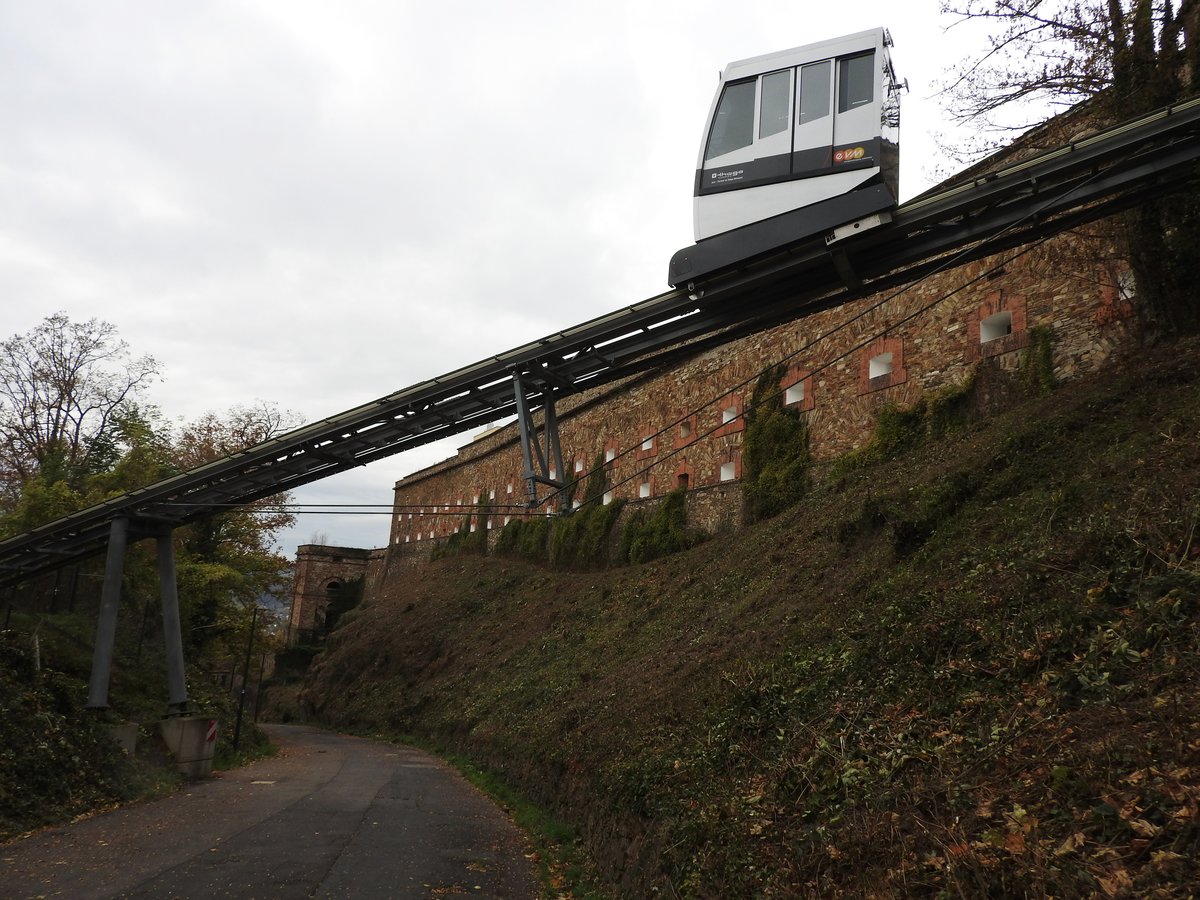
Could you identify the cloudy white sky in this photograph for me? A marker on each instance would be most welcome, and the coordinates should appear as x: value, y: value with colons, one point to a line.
x: 317, y: 204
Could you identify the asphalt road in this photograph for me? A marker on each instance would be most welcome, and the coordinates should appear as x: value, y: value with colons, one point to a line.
x: 330, y: 816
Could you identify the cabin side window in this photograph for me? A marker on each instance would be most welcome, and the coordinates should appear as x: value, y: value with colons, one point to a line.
x: 776, y: 103
x: 856, y: 81
x: 733, y: 126
x: 814, y: 91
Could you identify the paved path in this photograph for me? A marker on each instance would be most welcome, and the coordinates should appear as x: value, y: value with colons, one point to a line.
x: 330, y: 816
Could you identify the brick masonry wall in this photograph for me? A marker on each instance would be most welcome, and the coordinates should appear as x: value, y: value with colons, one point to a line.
x: 836, y: 363
x: 318, y: 569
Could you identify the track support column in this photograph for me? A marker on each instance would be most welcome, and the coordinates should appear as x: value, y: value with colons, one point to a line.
x: 177, y: 697
x: 110, y: 605
x: 531, y: 450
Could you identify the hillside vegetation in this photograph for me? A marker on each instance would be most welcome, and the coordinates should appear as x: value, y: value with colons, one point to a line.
x: 57, y: 759
x: 963, y: 665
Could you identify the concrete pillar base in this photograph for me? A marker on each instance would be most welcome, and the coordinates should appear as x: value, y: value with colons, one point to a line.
x: 191, y: 740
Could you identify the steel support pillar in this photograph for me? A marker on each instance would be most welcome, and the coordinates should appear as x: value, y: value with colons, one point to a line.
x: 547, y: 459
x: 177, y: 698
x: 110, y: 604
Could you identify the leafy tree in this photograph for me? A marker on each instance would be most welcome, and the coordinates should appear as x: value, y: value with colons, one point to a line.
x: 1123, y: 57
x: 62, y: 387
x: 73, y: 433
x: 228, y: 560
x: 1129, y: 55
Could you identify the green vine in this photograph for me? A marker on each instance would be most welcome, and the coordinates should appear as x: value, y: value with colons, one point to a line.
x: 650, y: 535
x: 900, y: 429
x: 576, y: 541
x: 775, y: 453
x: 466, y: 542
x: 1037, y: 363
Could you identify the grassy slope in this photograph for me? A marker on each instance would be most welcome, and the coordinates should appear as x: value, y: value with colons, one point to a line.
x: 970, y: 670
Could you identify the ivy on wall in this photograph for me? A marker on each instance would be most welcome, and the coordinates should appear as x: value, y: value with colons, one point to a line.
x: 661, y: 532
x: 775, y: 452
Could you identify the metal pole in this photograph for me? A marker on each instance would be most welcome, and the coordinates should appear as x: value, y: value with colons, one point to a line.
x: 74, y: 590
x: 528, y: 433
x: 553, y: 448
x: 237, y: 728
x: 54, y: 591
x: 106, y: 625
x: 177, y: 697
x: 262, y: 667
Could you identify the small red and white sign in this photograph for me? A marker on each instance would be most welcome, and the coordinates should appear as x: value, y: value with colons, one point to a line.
x: 211, y: 734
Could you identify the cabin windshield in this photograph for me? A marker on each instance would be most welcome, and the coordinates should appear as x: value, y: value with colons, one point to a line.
x: 733, y: 125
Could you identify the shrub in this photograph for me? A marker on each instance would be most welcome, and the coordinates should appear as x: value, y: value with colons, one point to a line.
x: 650, y: 535
x: 575, y: 541
x: 900, y: 429
x: 466, y: 542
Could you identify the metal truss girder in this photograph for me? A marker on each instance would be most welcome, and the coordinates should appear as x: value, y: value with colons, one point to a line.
x: 541, y: 465
x: 1111, y: 170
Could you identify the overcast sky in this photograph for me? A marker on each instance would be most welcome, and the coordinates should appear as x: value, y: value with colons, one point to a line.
x: 318, y: 204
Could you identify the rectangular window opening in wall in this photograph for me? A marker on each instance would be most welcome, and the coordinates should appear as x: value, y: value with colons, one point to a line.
x: 610, y: 454
x: 685, y: 429
x: 418, y: 535
x: 491, y: 495
x: 507, y: 519
x: 728, y: 414
x: 644, y: 489
x: 880, y: 365
x: 1126, y: 285
x: 473, y: 527
x: 578, y: 466
x: 996, y: 326
x: 728, y: 471
x: 489, y: 523
x: 554, y: 474
x: 681, y: 480
x: 510, y: 487
x: 577, y: 504
x: 794, y: 394
x: 648, y: 443
x: 607, y: 498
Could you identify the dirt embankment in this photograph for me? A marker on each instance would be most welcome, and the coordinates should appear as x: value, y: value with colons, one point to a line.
x: 967, y: 669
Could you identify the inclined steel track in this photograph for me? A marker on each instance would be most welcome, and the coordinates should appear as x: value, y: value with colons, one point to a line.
x: 1079, y: 182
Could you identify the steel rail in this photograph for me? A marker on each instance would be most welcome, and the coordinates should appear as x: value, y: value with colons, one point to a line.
x: 1063, y: 188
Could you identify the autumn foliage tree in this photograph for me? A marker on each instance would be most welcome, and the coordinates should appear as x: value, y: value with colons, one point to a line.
x: 229, y: 559
x: 67, y: 391
x: 1123, y: 58
x: 75, y: 430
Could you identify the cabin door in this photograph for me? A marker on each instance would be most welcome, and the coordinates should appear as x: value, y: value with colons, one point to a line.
x: 812, y: 150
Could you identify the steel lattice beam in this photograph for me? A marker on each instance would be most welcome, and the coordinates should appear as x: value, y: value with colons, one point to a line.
x: 1074, y: 184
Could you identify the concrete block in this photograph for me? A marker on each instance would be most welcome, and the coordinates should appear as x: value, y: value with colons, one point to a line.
x: 191, y: 740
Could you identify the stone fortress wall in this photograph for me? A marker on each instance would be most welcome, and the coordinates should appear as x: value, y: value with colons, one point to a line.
x: 842, y: 365
x: 682, y: 427
x: 321, y: 572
